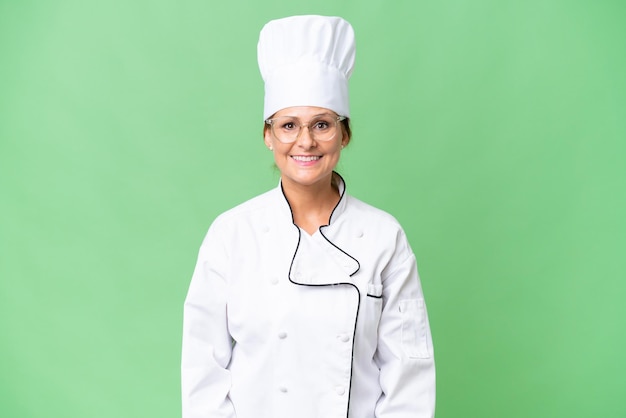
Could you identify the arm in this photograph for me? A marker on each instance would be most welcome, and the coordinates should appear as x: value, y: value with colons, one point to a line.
x: 404, y: 354
x: 207, y: 344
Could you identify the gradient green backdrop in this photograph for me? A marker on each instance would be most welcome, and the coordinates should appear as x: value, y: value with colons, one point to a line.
x: 493, y: 130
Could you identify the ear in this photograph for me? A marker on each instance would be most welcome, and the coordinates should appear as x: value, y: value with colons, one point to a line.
x: 267, y: 138
x: 345, y: 138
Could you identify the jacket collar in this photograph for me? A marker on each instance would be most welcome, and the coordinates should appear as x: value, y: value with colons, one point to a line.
x: 337, y: 211
x: 306, y: 268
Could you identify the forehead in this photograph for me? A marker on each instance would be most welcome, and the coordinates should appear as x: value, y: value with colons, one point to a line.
x: 304, y: 112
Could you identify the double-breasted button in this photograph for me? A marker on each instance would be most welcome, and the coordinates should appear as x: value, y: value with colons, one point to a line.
x: 343, y: 337
x: 274, y: 280
x: 283, y: 389
x: 340, y: 390
x: 282, y: 335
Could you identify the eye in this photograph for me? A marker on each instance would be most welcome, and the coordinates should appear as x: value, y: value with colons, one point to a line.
x: 288, y: 126
x: 321, y: 125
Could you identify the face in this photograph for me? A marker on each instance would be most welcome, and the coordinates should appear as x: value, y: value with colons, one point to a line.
x: 306, y: 162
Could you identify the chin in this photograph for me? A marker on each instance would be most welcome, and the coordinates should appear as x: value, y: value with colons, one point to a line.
x: 308, y: 180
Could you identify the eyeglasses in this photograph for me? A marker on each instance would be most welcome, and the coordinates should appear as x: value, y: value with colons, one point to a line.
x: 287, y: 129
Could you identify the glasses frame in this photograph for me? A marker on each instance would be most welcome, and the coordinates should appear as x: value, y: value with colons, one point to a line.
x: 270, y: 122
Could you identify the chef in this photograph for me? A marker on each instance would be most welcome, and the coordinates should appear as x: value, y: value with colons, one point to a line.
x: 306, y: 302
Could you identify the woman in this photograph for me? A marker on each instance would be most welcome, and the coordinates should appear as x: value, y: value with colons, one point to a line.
x: 306, y: 302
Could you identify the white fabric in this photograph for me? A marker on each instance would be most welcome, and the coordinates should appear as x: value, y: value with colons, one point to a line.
x: 280, y: 324
x: 306, y: 61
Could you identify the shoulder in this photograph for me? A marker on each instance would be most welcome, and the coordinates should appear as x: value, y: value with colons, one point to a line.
x: 370, y: 214
x: 376, y: 227
x: 252, y: 217
x: 250, y: 209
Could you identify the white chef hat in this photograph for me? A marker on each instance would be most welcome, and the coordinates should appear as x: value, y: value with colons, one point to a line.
x: 306, y: 61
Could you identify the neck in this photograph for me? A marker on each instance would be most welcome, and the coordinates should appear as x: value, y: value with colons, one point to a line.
x: 311, y: 205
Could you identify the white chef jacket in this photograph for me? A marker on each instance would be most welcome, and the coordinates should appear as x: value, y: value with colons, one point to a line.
x: 282, y: 324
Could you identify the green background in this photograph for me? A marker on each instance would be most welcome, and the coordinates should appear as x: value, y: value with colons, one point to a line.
x: 493, y: 130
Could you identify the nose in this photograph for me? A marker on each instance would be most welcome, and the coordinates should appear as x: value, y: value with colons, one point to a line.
x: 305, y: 140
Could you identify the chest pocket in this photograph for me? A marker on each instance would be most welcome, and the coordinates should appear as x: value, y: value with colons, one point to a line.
x: 372, y: 311
x: 375, y: 291
x: 414, y: 329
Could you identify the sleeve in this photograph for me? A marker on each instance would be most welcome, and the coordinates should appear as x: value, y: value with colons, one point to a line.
x: 405, y: 354
x: 207, y: 344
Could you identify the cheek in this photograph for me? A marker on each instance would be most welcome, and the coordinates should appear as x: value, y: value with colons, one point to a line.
x: 336, y: 149
x: 333, y: 155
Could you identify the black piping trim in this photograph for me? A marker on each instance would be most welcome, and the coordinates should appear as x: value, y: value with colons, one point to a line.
x: 331, y: 217
x: 358, y: 293
x: 373, y: 296
x: 340, y: 197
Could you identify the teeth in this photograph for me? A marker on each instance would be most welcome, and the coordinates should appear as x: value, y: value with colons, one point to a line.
x: 305, y: 158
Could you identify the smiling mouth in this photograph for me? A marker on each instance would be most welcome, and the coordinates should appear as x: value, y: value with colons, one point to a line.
x: 306, y: 158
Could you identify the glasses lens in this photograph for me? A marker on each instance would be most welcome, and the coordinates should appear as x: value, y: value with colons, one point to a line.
x: 287, y: 129
x: 323, y: 128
